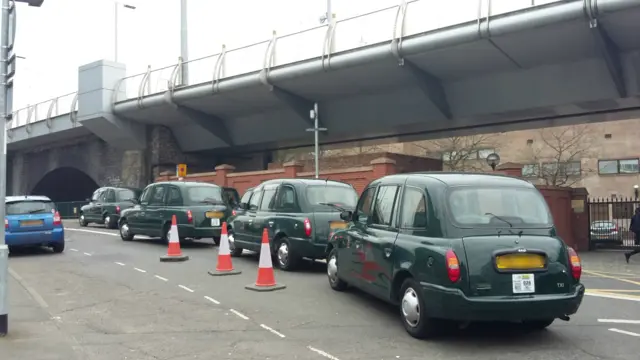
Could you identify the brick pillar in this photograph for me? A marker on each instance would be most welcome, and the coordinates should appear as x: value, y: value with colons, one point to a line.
x: 221, y: 174
x: 580, y: 218
x: 292, y: 168
x: 165, y: 176
x: 383, y: 166
x: 511, y: 169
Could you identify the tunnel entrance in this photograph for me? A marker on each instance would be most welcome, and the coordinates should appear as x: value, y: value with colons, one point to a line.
x: 65, y: 184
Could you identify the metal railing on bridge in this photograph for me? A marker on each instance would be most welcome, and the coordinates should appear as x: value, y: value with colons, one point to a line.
x: 389, y: 24
x: 43, y: 111
x: 70, y: 209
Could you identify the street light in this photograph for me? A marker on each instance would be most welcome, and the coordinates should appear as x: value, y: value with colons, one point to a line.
x: 635, y: 191
x: 116, y: 5
x: 7, y: 31
x: 493, y: 160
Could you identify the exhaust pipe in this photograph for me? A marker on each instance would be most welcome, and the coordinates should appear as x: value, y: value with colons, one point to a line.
x: 564, y: 318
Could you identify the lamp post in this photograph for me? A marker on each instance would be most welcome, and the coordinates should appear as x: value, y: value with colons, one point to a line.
x: 184, y: 41
x: 493, y: 160
x: 313, y: 114
x: 116, y: 6
x: 8, y: 23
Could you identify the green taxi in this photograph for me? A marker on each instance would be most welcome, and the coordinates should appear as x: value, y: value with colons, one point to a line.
x: 200, y: 209
x: 452, y: 248
x: 105, y: 206
x: 299, y: 214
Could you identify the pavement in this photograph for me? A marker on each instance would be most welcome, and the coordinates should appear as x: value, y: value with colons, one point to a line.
x: 108, y: 299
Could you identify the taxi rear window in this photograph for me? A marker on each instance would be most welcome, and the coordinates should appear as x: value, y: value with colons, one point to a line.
x: 29, y: 207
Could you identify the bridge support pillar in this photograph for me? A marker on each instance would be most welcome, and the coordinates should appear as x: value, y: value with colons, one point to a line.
x: 97, y: 83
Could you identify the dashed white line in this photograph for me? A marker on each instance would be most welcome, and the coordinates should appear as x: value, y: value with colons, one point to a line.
x: 119, y: 263
x: 93, y: 231
x: 76, y: 250
x: 322, y: 353
x: 139, y: 270
x: 87, y: 254
x: 185, y: 288
x: 212, y: 300
x: 619, y: 321
x: 625, y: 332
x: 241, y: 315
x: 161, y: 278
x: 272, y: 330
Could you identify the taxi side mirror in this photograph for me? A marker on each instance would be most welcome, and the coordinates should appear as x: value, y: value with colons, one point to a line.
x: 346, y: 215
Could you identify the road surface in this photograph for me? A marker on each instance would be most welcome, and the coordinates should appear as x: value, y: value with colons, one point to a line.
x: 108, y: 299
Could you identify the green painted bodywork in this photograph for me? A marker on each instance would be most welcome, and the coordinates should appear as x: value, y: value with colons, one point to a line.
x: 287, y: 223
x: 378, y: 259
x: 97, y: 210
x: 154, y: 219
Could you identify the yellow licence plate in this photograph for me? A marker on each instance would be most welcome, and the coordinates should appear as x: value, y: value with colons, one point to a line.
x: 31, y: 223
x: 520, y: 261
x: 338, y: 225
x: 214, y: 214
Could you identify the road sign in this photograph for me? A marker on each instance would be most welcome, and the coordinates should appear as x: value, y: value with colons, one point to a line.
x: 181, y: 170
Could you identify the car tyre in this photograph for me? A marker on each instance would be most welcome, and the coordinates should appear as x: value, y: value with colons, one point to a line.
x: 286, y: 259
x: 216, y: 240
x: 125, y: 231
x: 82, y: 221
x: 537, y: 325
x: 335, y: 282
x: 166, y: 230
x: 108, y: 222
x: 58, y: 248
x: 413, y: 312
x: 233, y: 249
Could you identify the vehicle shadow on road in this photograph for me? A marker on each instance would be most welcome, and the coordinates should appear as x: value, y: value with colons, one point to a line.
x: 185, y: 244
x: 30, y: 251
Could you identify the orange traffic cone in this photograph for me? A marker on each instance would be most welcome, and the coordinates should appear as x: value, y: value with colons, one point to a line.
x: 224, y: 266
x: 266, y: 279
x: 174, y: 253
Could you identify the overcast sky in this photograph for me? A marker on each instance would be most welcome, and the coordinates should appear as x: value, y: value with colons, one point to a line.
x: 64, y: 34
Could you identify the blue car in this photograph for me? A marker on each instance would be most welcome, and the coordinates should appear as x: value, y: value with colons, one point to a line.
x: 33, y: 221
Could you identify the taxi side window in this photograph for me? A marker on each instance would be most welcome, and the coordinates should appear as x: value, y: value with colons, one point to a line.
x: 110, y: 196
x: 286, y: 199
x: 175, y: 198
x: 384, y: 204
x: 157, y: 197
x: 96, y: 194
x: 413, y: 214
x: 146, y: 195
x: 104, y: 196
x: 363, y: 210
x: 267, y: 199
x: 255, y: 200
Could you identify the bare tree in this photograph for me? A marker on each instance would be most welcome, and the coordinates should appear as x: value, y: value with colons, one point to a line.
x: 556, y: 156
x: 462, y: 153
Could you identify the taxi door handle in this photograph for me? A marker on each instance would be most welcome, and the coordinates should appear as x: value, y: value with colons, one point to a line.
x: 387, y: 252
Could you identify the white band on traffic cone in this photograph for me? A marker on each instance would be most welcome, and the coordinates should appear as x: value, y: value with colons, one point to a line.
x: 224, y: 245
x: 265, y: 256
x: 173, y: 234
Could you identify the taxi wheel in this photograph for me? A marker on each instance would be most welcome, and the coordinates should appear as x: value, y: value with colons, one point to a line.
x: 287, y: 260
x: 125, y: 232
x: 332, y: 272
x: 82, y: 221
x: 413, y: 312
x: 535, y: 325
x: 166, y: 230
x: 233, y: 249
x: 108, y: 222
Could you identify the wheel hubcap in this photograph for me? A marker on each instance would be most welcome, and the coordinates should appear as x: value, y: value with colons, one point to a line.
x: 81, y: 218
x: 332, y: 269
x: 232, y: 245
x: 411, y: 307
x: 283, y: 254
x: 107, y: 220
x: 124, y: 230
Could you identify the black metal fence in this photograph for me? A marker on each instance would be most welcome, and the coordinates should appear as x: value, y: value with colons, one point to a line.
x: 71, y: 209
x: 609, y: 222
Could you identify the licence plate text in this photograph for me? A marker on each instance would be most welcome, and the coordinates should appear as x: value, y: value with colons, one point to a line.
x: 215, y: 222
x: 26, y: 223
x: 523, y: 283
x: 520, y: 261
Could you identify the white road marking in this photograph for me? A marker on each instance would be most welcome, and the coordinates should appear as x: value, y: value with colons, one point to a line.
x: 88, y: 254
x: 239, y: 314
x: 92, y: 231
x: 76, y: 250
x: 271, y: 330
x: 140, y: 270
x: 212, y: 300
x: 625, y: 332
x: 320, y: 352
x: 612, y: 296
x: 161, y: 278
x: 185, y: 288
x: 618, y: 321
x: 119, y: 263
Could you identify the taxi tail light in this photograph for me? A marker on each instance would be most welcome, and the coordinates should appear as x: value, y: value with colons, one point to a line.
x: 189, y: 216
x: 453, y: 265
x: 234, y: 213
x: 56, y: 219
x: 6, y: 223
x: 117, y: 209
x: 574, y: 263
x: 307, y: 227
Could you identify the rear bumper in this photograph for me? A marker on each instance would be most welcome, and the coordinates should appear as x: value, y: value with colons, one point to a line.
x: 452, y: 304
x: 190, y: 231
x: 35, y: 238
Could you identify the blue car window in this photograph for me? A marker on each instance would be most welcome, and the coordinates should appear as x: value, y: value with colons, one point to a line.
x: 29, y: 207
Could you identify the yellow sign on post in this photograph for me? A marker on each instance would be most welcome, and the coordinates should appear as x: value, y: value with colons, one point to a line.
x: 181, y: 170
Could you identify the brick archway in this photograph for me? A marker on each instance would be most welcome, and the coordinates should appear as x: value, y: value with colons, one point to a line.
x: 65, y: 184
